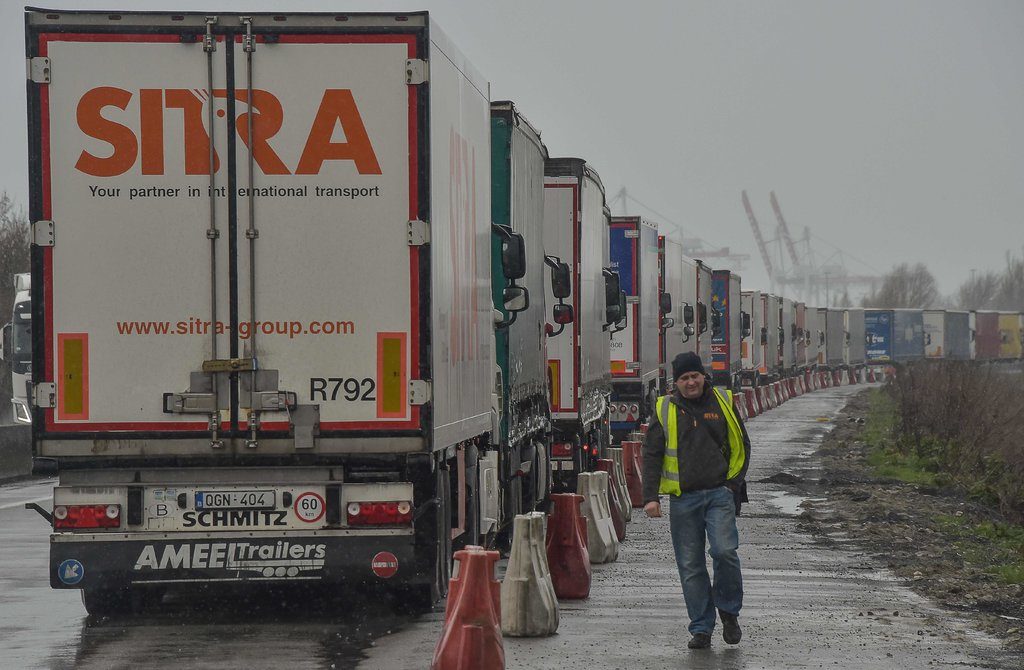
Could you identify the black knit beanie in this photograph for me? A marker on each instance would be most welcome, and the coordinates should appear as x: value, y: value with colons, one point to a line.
x: 686, y: 362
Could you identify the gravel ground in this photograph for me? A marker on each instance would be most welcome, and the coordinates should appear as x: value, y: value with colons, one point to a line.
x: 897, y: 523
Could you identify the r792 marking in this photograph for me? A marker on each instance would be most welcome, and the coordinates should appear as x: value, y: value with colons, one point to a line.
x: 352, y: 389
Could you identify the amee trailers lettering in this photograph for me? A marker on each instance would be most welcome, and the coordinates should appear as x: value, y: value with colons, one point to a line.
x: 209, y: 180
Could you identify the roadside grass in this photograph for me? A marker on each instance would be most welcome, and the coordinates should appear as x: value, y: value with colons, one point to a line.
x: 884, y: 455
x: 997, y: 548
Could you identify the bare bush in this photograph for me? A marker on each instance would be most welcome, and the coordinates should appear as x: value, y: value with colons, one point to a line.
x: 967, y: 422
x: 1011, y: 285
x: 979, y: 291
x: 906, y: 285
x: 995, y: 290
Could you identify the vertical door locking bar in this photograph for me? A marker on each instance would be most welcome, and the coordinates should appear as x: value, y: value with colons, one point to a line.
x: 251, y: 233
x: 212, y: 233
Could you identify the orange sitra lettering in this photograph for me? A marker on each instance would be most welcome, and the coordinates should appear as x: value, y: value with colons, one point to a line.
x: 338, y: 106
x: 120, y: 138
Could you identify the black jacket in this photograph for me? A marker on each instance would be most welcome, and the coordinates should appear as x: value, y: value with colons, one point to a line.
x: 703, y: 451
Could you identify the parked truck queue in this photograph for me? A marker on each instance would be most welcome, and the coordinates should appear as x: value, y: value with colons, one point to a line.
x: 505, y: 329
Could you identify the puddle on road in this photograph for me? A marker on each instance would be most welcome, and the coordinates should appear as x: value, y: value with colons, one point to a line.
x: 789, y: 503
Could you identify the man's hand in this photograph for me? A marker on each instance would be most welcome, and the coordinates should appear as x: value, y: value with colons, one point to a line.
x: 653, y: 509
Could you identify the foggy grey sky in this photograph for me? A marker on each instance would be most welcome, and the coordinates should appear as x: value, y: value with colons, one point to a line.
x: 893, y: 129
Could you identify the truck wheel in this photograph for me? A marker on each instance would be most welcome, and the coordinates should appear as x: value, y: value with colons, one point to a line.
x: 542, y: 465
x: 471, y: 536
x: 528, y: 484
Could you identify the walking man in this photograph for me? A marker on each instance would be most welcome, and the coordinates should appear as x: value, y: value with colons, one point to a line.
x: 697, y: 452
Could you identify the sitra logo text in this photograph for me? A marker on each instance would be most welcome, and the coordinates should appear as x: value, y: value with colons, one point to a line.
x: 148, y: 110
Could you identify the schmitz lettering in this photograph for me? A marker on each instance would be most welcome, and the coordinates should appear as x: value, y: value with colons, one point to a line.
x: 281, y: 559
x: 234, y: 517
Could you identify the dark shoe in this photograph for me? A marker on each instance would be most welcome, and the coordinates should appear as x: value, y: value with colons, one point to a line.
x: 731, y: 631
x: 699, y: 641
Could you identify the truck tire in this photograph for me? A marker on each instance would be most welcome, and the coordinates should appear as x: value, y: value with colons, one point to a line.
x: 435, y: 559
x: 528, y: 484
x: 471, y: 536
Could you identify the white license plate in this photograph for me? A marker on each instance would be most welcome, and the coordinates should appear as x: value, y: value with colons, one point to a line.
x: 235, y: 500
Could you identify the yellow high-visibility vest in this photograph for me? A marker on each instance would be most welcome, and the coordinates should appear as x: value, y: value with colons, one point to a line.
x: 670, y: 464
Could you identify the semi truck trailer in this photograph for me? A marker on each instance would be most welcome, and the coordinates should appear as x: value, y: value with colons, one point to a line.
x: 727, y: 312
x: 576, y: 223
x: 263, y: 337
x: 634, y: 350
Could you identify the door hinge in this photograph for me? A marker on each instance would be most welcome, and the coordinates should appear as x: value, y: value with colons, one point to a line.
x: 44, y: 394
x: 190, y: 403
x: 419, y: 233
x: 42, y: 233
x: 229, y: 365
x: 272, y: 401
x: 38, y: 69
x: 417, y: 71
x: 419, y: 392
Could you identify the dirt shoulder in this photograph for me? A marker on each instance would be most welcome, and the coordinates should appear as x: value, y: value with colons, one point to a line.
x: 911, y: 530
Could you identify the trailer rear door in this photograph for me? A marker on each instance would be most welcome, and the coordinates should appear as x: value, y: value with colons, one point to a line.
x: 287, y: 284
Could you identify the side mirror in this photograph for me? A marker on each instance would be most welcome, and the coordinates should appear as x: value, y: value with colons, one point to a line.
x: 688, y: 315
x: 516, y: 298
x: 688, y: 331
x: 513, y: 253
x: 614, y: 309
x: 562, y: 314
x: 821, y: 337
x: 764, y: 335
x: 621, y: 324
x: 847, y: 337
x: 5, y: 344
x: 792, y: 331
x: 702, y: 312
x: 782, y: 336
x: 716, y: 322
x: 665, y: 303
x: 561, y: 279
x: 667, y: 322
x: 745, y: 324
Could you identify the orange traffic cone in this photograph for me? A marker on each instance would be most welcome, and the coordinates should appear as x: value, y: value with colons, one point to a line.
x: 471, y: 637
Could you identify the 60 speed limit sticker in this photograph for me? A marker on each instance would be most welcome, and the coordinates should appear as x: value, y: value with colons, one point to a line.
x: 310, y: 507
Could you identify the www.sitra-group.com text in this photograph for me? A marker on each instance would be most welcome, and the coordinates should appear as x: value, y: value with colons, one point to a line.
x: 246, y: 329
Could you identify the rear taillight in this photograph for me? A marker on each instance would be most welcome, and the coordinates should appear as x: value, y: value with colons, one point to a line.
x: 561, y: 450
x: 393, y: 513
x: 87, y: 516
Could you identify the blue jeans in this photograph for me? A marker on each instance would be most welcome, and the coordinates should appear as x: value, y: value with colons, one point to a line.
x: 693, y: 515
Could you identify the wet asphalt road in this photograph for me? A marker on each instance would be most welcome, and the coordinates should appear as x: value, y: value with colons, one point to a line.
x: 808, y: 605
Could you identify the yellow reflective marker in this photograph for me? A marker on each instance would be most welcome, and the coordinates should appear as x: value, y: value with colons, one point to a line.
x: 392, y: 385
x: 73, y: 373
